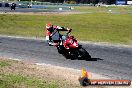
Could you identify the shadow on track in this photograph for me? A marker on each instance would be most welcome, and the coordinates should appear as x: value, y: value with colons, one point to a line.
x: 91, y: 59
x: 95, y: 59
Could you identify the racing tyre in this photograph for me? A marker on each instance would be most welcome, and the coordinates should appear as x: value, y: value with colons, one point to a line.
x: 67, y: 56
x: 84, y: 54
x: 60, y: 49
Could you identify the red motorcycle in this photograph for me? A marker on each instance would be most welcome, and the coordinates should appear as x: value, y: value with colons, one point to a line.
x: 70, y: 48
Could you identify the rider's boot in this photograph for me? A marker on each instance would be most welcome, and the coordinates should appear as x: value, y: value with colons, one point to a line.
x: 51, y: 43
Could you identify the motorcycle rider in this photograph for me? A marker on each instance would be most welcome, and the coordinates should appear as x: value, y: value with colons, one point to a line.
x: 52, y: 33
x: 13, y: 6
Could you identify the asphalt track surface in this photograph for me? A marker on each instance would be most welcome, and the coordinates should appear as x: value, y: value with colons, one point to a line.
x: 110, y: 61
x: 26, y: 10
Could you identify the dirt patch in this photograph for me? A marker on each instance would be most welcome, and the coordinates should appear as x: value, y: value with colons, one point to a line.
x: 65, y: 77
x: 46, y: 73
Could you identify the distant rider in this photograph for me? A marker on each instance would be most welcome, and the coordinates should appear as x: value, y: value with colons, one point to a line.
x: 52, y: 33
x: 13, y: 6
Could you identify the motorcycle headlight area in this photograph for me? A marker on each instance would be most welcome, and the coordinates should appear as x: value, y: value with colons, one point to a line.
x: 75, y: 44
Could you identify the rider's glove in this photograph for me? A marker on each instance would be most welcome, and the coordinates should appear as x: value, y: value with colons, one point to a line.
x: 58, y: 27
x: 69, y: 30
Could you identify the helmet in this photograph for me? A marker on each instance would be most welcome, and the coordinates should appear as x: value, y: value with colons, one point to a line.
x: 48, y: 25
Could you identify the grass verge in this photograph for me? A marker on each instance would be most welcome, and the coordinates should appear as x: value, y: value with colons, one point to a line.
x: 25, y: 74
x: 4, y: 63
x: 19, y: 81
x: 16, y: 79
x: 98, y: 27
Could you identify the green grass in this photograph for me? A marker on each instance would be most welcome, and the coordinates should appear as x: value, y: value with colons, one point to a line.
x: 122, y: 9
x: 4, y: 63
x: 98, y: 27
x: 10, y: 79
x: 16, y: 81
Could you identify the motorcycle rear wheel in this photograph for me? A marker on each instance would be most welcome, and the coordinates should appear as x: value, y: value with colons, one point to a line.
x: 84, y: 54
x: 60, y: 49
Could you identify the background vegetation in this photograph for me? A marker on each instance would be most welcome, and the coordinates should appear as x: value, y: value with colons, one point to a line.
x: 9, y: 79
x: 79, y: 1
x: 23, y: 74
x: 101, y: 25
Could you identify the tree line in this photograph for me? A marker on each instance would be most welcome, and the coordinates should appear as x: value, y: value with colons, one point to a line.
x: 79, y: 1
